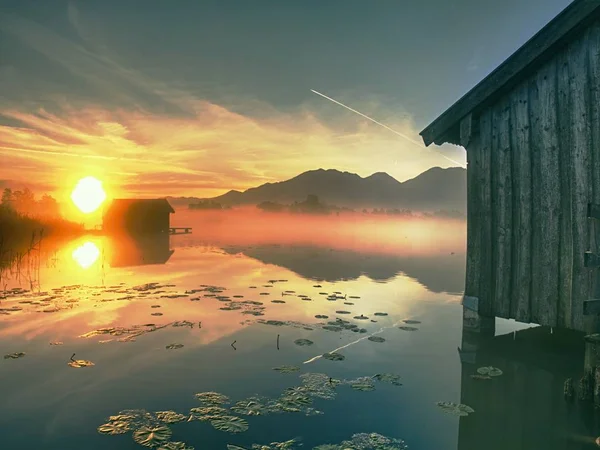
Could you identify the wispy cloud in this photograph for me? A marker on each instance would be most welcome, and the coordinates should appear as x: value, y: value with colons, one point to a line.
x: 145, y: 136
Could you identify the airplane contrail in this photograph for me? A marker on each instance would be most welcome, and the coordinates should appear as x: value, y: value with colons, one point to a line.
x: 419, y: 144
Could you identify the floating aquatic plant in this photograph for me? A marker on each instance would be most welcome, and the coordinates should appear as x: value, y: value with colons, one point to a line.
x: 252, y: 406
x: 287, y: 369
x: 362, y: 384
x: 361, y: 317
x: 381, y: 314
x: 481, y: 377
x: 303, y: 342
x: 56, y: 343
x: 277, y: 301
x: 212, y: 398
x: 343, y: 312
x: 388, y: 378
x: 14, y: 355
x: 78, y: 363
x: 455, y: 409
x: 204, y: 413
x: 366, y: 441
x: 376, y: 339
x: 230, y: 424
x: 333, y: 356
x: 174, y: 446
x: 115, y: 427
x: 321, y: 316
x: 411, y: 322
x: 170, y: 416
x: 174, y: 346
x: 152, y: 436
x: 408, y: 328
x: 489, y: 371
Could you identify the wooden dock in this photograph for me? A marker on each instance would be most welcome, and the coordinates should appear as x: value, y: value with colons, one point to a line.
x: 180, y: 230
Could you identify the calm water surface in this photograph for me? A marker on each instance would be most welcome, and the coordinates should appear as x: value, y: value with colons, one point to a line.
x: 414, y: 274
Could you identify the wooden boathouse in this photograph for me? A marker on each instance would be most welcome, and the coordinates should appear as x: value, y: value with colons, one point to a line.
x: 531, y: 130
x: 137, y: 216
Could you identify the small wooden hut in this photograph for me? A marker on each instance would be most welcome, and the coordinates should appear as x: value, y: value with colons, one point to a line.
x: 531, y: 130
x: 137, y: 216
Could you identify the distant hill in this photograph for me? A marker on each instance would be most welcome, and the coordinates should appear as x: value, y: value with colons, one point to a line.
x: 434, y: 189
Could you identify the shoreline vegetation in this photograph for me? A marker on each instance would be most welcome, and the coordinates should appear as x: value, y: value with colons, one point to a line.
x: 312, y: 205
x: 25, y: 222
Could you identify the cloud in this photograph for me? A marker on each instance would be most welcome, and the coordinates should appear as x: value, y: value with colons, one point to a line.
x: 145, y: 137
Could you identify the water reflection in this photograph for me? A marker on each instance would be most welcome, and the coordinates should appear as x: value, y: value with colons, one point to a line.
x: 524, y: 408
x: 86, y: 254
x: 138, y: 250
x: 441, y: 272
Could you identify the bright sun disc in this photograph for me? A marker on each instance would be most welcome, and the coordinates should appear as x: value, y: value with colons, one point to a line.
x: 88, y: 194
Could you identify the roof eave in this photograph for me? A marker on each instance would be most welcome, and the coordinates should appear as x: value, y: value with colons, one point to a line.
x: 578, y: 15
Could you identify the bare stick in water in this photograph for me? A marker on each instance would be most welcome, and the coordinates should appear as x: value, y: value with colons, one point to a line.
x: 233, y: 345
x: 277, y: 342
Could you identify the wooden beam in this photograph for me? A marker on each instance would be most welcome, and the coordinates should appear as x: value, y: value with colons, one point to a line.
x: 539, y: 48
x: 591, y: 260
x: 591, y: 307
x: 466, y: 130
x: 593, y: 211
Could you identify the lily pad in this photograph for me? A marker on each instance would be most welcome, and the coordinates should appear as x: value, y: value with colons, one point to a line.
x: 388, y: 378
x: 230, y: 424
x: 175, y: 446
x: 334, y: 356
x: 321, y: 316
x: 152, y: 436
x: 277, y: 301
x: 174, y: 346
x: 408, y: 328
x: 455, y: 409
x: 78, y: 363
x: 205, y: 413
x: 361, y: 317
x: 411, y: 322
x: 212, y: 398
x: 303, y: 342
x: 170, y: 416
x: 380, y: 314
x: 481, y: 377
x: 114, y: 427
x: 14, y: 355
x: 489, y: 371
x: 362, y: 384
x: 376, y: 339
x: 252, y: 406
x: 287, y: 369
x: 343, y: 312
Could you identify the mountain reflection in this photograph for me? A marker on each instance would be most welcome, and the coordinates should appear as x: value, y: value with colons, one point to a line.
x: 438, y: 273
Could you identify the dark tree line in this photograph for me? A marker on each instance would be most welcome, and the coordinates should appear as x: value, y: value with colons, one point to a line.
x: 25, y: 203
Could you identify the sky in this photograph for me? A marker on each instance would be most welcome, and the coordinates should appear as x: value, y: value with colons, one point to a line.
x: 197, y: 97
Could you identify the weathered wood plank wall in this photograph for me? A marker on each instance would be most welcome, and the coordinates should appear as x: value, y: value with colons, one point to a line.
x: 534, y: 165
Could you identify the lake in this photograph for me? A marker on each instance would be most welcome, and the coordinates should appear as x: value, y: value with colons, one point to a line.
x: 178, y: 338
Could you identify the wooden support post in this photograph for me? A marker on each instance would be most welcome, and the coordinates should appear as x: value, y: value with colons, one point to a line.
x: 589, y: 385
x: 593, y: 211
x: 591, y: 260
x: 477, y: 330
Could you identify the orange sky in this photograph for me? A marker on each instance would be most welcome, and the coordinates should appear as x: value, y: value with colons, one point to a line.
x: 215, y: 151
x: 146, y: 136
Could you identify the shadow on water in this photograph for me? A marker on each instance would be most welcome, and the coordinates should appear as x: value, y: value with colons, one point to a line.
x: 438, y: 273
x: 525, y: 407
x: 129, y: 250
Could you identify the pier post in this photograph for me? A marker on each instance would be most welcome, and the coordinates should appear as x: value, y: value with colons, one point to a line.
x: 476, y: 330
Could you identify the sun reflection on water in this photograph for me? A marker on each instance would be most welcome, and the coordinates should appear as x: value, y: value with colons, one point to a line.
x: 86, y: 254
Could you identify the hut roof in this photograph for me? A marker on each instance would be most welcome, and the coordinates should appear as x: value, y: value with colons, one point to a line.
x: 125, y: 204
x: 540, y: 48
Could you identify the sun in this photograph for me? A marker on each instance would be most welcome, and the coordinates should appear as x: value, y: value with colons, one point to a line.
x: 88, y: 194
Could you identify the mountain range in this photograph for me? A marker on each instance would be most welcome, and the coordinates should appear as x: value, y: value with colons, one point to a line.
x: 434, y: 189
